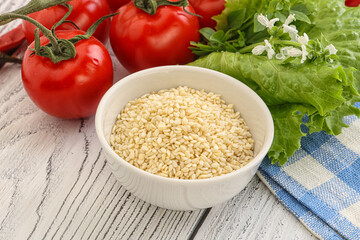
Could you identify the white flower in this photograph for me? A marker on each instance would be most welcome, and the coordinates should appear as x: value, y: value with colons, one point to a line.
x: 280, y: 56
x: 304, y: 53
x: 290, y: 19
x: 291, y: 29
x: 258, y: 50
x: 283, y: 53
x: 263, y: 20
x: 303, y: 39
x: 293, y: 32
x: 292, y: 52
x: 331, y: 49
x: 286, y: 52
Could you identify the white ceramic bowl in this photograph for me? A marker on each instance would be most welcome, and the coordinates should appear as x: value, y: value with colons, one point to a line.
x: 174, y: 193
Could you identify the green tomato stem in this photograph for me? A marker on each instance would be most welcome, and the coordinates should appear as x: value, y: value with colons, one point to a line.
x: 47, y: 33
x: 58, y: 49
x: 32, y: 6
x: 150, y: 6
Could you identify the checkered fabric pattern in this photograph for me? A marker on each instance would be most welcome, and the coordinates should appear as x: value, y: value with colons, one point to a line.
x: 320, y: 184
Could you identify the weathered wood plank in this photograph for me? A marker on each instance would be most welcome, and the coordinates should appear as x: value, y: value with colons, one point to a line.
x: 55, y: 182
x: 253, y: 214
x: 7, y: 6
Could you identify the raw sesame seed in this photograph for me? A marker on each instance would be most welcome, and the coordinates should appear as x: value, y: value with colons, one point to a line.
x: 182, y: 133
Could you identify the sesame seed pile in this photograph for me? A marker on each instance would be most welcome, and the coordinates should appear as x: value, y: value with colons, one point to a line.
x: 182, y: 133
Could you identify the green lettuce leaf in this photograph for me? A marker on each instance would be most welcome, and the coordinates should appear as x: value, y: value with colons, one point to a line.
x: 324, y: 93
x: 318, y: 86
x: 248, y: 10
x: 287, y: 133
x: 340, y: 25
x: 250, y: 6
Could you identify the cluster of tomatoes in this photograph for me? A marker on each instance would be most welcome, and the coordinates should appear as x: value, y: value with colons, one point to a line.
x: 73, y: 88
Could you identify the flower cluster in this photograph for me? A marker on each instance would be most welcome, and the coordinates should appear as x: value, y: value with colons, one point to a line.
x: 297, y: 47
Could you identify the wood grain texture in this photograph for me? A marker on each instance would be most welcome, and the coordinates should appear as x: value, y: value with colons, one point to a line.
x: 55, y: 184
x: 253, y: 214
x: 7, y: 6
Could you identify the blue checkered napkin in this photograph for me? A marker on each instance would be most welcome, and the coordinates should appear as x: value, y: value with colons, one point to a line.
x: 320, y: 184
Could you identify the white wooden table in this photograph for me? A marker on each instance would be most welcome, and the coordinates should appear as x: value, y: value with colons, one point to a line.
x: 55, y: 184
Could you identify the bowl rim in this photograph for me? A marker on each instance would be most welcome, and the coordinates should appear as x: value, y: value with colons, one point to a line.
x: 100, y: 112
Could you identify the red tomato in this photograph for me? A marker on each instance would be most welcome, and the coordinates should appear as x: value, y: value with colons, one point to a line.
x: 71, y: 88
x: 207, y: 9
x: 84, y: 14
x: 352, y: 3
x: 140, y: 40
x: 11, y: 39
x: 116, y: 4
